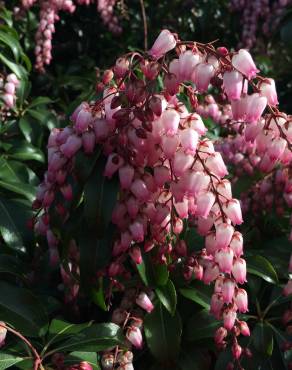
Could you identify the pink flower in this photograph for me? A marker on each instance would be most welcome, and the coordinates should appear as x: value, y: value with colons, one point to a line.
x: 187, y: 62
x: 88, y: 141
x: 71, y: 146
x: 268, y: 89
x: 137, y: 231
x: 8, y: 100
x: 161, y: 175
x: 139, y: 189
x: 239, y: 270
x: 224, y: 258
x: 228, y: 287
x: 220, y: 335
x: 216, y: 164
x: 224, y: 233
x: 216, y: 305
x: 144, y: 301
x: 232, y: 210
x: 240, y: 300
x: 205, y: 202
x: 164, y: 43
x: 202, y: 76
x: 114, y: 162
x: 211, y: 273
x: 182, y: 162
x: 244, y: 63
x: 232, y: 83
x: 256, y: 104
x: 170, y: 121
x: 134, y: 335
x: 287, y: 289
x: 236, y: 244
x: 236, y: 350
x: 126, y: 175
x: 3, y: 332
x: 229, y: 317
x: 244, y: 329
x: 189, y: 140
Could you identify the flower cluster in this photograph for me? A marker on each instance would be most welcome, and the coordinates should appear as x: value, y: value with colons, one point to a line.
x: 50, y: 13
x: 258, y: 12
x: 8, y: 87
x: 168, y: 171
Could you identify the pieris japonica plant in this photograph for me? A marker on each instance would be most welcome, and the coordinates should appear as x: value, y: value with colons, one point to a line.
x: 135, y: 205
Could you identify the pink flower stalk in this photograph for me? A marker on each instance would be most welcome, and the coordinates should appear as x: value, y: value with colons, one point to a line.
x: 144, y: 302
x: 134, y: 335
x: 164, y: 43
x: 239, y: 270
x: 202, y: 76
x: 268, y: 89
x: 244, y: 63
x: 233, y: 84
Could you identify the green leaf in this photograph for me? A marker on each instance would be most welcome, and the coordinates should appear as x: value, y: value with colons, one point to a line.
x: 191, y: 359
x: 7, y: 360
x: 78, y: 356
x: 26, y: 152
x: 97, y: 295
x: 22, y: 310
x: 97, y: 337
x: 40, y: 100
x: 152, y: 274
x: 100, y: 196
x: 167, y: 296
x: 11, y: 42
x: 163, y: 334
x: 19, y: 188
x: 15, y: 68
x: 199, y: 293
x: 85, y: 164
x: 12, y: 265
x: 25, y: 128
x: 201, y: 325
x: 260, y: 266
x: 262, y: 338
x: 23, y: 91
x: 9, y: 231
x: 16, y: 171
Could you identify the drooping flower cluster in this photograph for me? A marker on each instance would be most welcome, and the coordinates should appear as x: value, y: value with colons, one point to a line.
x: 258, y: 13
x: 8, y: 90
x: 168, y: 171
x: 50, y: 13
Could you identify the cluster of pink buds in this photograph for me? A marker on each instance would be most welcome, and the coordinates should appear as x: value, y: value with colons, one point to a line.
x: 58, y: 360
x: 8, y: 90
x: 219, y: 113
x: 258, y: 13
x: 130, y: 317
x: 50, y: 14
x: 168, y: 171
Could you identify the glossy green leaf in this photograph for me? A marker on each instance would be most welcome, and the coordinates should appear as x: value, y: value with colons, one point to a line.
x: 11, y: 42
x: 15, y: 68
x: 40, y: 100
x: 201, y: 325
x: 163, y: 334
x: 78, y: 356
x: 97, y: 337
x: 19, y: 188
x: 199, y: 293
x: 8, y: 360
x: 12, y: 265
x: 21, y: 309
x: 84, y: 164
x: 8, y: 230
x: 260, y: 266
x: 152, y: 274
x: 26, y: 152
x: 97, y: 295
x: 167, y: 296
x: 25, y: 128
x: 262, y: 338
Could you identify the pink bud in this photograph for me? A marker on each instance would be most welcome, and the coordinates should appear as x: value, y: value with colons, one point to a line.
x: 170, y: 121
x: 189, y: 140
x: 232, y: 83
x: 236, y: 350
x: 220, y: 335
x: 132, y: 207
x: 236, y: 244
x: 101, y: 129
x: 268, y: 89
x: 114, y: 162
x: 144, y: 301
x: 9, y: 88
x: 71, y: 146
x: 239, y: 108
x: 137, y: 231
x: 161, y: 175
x: 198, y: 272
x: 66, y: 190
x: 244, y: 329
x: 216, y: 305
x: 277, y: 148
x: 134, y: 335
x: 164, y: 43
x: 169, y: 145
x: 202, y: 76
x: 182, y: 208
x: 232, y: 210
x: 187, y: 62
x: 182, y: 162
x: 228, y: 287
x: 13, y: 79
x: 210, y: 243
x: 239, y: 270
x: 139, y: 189
x: 256, y: 104
x: 8, y: 100
x: 88, y: 141
x: 229, y: 317
x: 244, y: 63
x: 211, y: 273
x: 224, y: 233
x: 224, y: 258
x: 288, y: 289
x: 3, y: 332
x: 240, y: 300
x: 126, y: 175
x: 205, y: 202
x: 83, y: 120
x: 215, y: 163
x: 121, y: 67
x: 171, y: 84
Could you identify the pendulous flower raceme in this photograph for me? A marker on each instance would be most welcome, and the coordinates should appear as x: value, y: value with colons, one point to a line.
x: 170, y: 174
